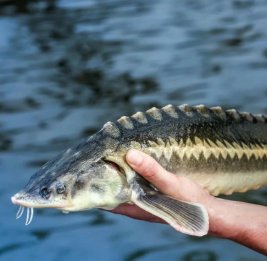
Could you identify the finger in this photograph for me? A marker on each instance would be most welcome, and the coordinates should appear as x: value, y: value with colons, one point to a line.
x: 151, y: 170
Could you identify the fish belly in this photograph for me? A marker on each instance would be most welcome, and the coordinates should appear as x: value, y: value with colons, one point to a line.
x: 227, y: 183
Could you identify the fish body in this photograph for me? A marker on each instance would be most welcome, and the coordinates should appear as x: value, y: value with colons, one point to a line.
x: 225, y: 151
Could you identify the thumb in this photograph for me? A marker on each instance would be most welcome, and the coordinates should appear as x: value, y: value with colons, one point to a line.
x: 152, y: 171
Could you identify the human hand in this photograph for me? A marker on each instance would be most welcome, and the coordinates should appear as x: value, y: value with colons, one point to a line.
x: 177, y: 187
x: 241, y: 222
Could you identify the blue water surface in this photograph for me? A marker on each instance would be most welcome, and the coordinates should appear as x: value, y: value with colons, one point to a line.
x: 67, y: 67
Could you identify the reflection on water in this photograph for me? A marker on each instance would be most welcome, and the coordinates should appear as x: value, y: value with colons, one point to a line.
x: 67, y: 67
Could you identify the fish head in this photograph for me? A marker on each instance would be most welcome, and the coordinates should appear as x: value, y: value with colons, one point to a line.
x: 75, y: 181
x: 100, y: 184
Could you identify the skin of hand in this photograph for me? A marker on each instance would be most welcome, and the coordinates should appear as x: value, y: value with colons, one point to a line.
x: 241, y: 222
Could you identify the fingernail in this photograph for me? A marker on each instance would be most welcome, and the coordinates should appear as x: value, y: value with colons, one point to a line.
x: 134, y: 157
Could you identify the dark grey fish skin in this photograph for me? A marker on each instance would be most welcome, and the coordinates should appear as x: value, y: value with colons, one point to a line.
x: 214, y: 124
x: 201, y: 140
x: 208, y: 124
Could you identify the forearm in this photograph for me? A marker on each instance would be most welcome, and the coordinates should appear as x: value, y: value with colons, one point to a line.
x: 241, y: 222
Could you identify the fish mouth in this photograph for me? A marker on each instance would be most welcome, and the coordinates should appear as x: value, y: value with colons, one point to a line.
x: 16, y: 199
x: 23, y: 200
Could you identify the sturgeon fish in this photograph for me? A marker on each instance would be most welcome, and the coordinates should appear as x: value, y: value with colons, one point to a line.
x: 225, y: 151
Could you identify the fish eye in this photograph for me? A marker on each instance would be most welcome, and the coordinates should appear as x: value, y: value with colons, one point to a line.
x: 60, y: 188
x: 45, y: 193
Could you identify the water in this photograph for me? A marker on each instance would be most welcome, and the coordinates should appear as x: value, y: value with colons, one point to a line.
x: 67, y: 67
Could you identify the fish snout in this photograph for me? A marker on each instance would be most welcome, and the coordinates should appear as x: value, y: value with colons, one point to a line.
x: 14, y: 200
x: 18, y: 199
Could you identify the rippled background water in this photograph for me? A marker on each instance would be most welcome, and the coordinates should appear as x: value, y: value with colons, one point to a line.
x: 67, y: 67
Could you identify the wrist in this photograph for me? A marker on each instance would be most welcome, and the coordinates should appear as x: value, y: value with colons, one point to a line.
x: 220, y: 218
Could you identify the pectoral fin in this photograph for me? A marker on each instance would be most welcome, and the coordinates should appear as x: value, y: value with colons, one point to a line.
x: 186, y: 217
